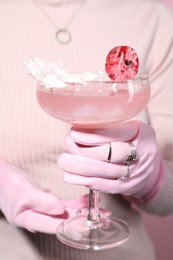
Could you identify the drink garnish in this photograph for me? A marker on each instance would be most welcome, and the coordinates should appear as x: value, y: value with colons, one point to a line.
x: 122, y: 63
x: 53, y: 75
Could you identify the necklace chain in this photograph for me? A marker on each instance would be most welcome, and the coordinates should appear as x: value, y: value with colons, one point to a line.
x: 63, y: 34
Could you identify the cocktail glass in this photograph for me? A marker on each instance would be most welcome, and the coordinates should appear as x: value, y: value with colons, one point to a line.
x: 95, y: 104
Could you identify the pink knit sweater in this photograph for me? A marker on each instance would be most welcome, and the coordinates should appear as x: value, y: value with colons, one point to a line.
x: 32, y: 140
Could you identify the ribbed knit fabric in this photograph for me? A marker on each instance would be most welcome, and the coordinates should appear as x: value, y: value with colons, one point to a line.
x: 162, y: 203
x: 32, y: 140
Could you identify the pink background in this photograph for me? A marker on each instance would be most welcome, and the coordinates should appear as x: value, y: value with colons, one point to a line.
x: 160, y: 230
x: 169, y: 3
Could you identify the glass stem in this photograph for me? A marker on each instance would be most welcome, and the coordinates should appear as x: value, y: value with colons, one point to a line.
x: 93, y: 217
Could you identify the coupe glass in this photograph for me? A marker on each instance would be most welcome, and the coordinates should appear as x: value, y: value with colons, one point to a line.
x: 95, y: 104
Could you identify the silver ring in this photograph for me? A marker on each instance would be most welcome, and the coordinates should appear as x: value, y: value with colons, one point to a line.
x: 132, y: 155
x: 109, y: 153
x: 126, y: 174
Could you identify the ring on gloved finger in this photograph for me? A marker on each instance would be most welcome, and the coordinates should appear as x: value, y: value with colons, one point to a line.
x: 132, y: 155
x: 109, y: 153
x: 126, y: 173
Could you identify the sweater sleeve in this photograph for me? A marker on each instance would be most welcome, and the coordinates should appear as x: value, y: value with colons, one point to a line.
x: 162, y: 203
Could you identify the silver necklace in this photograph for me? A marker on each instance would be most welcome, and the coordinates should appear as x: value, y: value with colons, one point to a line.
x: 62, y: 35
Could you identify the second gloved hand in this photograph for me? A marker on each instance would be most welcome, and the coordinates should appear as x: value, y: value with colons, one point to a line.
x: 85, y: 162
x: 26, y: 204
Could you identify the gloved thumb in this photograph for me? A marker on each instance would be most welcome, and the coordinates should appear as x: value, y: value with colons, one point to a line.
x: 43, y: 202
x: 119, y: 132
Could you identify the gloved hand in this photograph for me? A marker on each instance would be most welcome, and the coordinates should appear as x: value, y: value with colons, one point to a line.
x: 86, y: 161
x: 26, y: 204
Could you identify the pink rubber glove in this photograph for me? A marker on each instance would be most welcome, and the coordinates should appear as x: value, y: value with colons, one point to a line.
x: 26, y: 204
x: 85, y: 163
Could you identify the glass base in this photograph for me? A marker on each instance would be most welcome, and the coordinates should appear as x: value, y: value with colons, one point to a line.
x: 81, y: 233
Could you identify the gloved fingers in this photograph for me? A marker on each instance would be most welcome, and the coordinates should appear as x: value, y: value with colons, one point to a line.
x: 120, y: 132
x: 80, y: 206
x: 119, y: 150
x: 85, y: 166
x: 34, y: 221
x: 81, y: 202
x: 112, y: 186
x: 47, y: 222
x: 43, y: 202
x: 84, y: 212
x: 100, y: 184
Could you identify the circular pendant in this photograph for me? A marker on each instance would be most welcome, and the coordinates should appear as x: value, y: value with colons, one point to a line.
x: 63, y: 36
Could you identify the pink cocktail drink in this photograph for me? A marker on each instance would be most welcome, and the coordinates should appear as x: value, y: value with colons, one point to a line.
x: 95, y: 103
